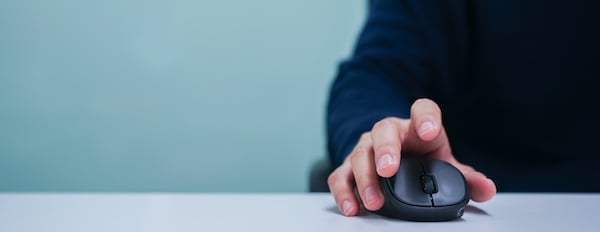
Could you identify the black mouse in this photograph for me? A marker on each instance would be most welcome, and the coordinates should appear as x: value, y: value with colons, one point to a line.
x: 424, y: 190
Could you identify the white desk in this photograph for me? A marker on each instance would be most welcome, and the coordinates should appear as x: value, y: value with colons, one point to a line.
x: 278, y: 212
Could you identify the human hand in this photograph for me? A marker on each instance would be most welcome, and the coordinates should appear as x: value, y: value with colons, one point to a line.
x: 377, y: 153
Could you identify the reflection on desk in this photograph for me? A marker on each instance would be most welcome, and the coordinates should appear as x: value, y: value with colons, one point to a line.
x: 278, y: 212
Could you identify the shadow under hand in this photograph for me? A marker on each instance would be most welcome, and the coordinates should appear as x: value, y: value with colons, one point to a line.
x: 363, y: 213
x: 333, y: 209
x: 366, y: 214
x: 475, y: 210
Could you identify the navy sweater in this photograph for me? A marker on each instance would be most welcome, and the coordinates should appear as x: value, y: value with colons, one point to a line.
x: 517, y: 82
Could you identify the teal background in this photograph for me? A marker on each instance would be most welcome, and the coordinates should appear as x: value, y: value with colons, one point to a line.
x: 170, y: 95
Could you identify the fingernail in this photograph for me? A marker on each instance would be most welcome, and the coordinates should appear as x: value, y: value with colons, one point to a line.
x: 347, y: 207
x: 384, y: 161
x: 426, y: 127
x: 370, y: 196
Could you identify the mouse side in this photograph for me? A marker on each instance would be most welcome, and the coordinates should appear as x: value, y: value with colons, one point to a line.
x: 424, y: 190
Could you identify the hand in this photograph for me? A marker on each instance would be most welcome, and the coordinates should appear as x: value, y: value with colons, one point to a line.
x: 355, y: 182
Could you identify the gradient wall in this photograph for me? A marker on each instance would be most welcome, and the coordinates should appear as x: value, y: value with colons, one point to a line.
x: 169, y: 96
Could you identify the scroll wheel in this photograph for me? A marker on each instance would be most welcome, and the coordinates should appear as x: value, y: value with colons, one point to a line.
x: 428, y: 184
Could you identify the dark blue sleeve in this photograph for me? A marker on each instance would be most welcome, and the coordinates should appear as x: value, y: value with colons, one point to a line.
x: 392, y: 65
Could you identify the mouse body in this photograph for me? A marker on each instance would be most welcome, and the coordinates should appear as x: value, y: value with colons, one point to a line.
x: 424, y: 190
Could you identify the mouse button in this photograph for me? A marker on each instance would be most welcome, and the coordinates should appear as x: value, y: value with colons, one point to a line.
x: 428, y: 184
x: 407, y: 184
x: 450, y: 183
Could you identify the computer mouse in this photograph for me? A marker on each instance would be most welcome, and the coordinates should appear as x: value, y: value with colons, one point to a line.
x: 424, y: 190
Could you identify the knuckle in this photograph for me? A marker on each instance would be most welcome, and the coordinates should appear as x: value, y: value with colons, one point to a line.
x: 364, y: 181
x: 360, y: 150
x: 333, y: 177
x: 418, y: 102
x: 365, y: 136
x: 470, y: 168
x: 362, y: 146
x: 364, y: 178
x: 386, y: 122
x: 424, y: 101
x: 436, y: 109
x: 386, y: 147
x: 355, y: 155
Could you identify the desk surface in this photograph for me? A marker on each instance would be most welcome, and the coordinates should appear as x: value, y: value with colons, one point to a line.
x: 278, y: 212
